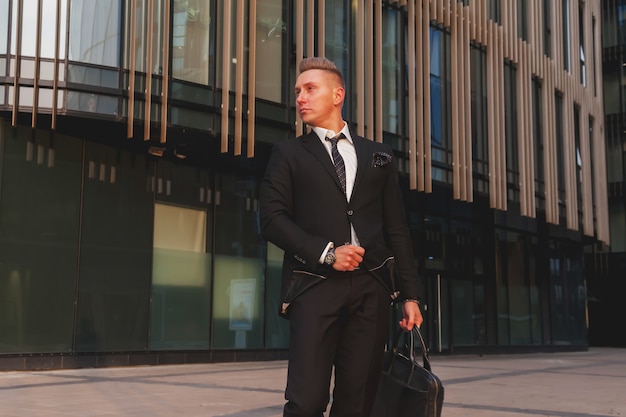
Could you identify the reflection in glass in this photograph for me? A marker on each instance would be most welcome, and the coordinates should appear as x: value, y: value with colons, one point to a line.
x: 4, y: 22
x: 116, y: 251
x: 391, y: 71
x: 269, y: 48
x: 436, y: 92
x: 277, y: 328
x: 95, y: 32
x: 238, y: 308
x: 39, y: 215
x: 190, y: 40
x: 29, y: 28
x: 180, y: 279
x: 92, y: 103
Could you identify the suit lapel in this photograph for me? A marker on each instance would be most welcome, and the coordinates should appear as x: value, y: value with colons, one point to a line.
x: 312, y: 144
x: 361, y: 146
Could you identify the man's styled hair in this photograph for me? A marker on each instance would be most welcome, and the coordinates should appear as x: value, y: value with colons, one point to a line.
x: 321, y: 63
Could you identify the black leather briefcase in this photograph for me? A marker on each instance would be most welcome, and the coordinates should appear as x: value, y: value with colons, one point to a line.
x: 408, y: 388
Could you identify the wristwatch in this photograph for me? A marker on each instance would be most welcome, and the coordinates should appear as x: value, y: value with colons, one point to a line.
x: 330, y: 257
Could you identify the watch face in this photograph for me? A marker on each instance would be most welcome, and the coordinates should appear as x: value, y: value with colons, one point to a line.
x: 330, y: 258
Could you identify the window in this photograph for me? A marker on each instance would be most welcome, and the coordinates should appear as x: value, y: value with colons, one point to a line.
x: 480, y: 149
x: 495, y: 10
x: 95, y: 32
x: 522, y: 19
x: 558, y: 112
x: 190, y: 40
x: 510, y: 125
x: 581, y: 30
x: 537, y: 137
x: 566, y: 35
x: 270, y: 46
x: 392, y: 90
x: 547, y: 22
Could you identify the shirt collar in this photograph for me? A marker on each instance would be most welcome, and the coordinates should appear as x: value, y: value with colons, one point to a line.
x: 322, y: 132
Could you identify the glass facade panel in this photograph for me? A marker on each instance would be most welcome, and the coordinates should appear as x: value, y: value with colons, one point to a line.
x: 238, y: 307
x: 115, y: 252
x: 480, y: 146
x: 502, y: 291
x: 393, y: 83
x: 337, y: 38
x: 437, y: 89
x: 29, y: 28
x: 4, y: 19
x: 49, y: 30
x: 39, y: 217
x: 95, y: 32
x: 519, y: 314
x: 191, y: 51
x: 101, y: 77
x: 181, y: 270
x: 463, y: 312
x: 277, y: 329
x: 270, y: 43
x: 92, y: 103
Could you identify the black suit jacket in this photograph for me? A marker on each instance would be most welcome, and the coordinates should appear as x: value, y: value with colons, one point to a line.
x: 302, y: 208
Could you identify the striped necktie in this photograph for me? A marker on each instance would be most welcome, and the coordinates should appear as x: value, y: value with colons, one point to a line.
x: 340, y: 167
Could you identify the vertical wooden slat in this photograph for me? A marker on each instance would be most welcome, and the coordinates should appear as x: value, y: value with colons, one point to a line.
x: 568, y: 158
x: 299, y: 52
x: 239, y: 47
x: 321, y: 27
x: 369, y: 65
x: 55, y: 76
x: 460, y: 90
x: 468, y: 166
x: 491, y: 114
x: 17, y: 65
x: 37, y: 66
x: 502, y: 196
x: 378, y: 69
x: 454, y: 85
x: 225, y: 73
x: 148, y: 90
x: 310, y: 28
x: 553, y: 141
x: 165, y: 83
x: 521, y: 136
x: 426, y: 158
x: 132, y: 69
x: 531, y: 138
x: 252, y: 76
x: 414, y: 72
x: 421, y: 72
x: 547, y: 154
x: 360, y: 69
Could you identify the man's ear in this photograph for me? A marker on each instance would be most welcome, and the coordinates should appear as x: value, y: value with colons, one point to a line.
x: 339, y: 95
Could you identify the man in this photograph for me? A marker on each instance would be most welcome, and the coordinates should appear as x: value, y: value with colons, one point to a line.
x: 339, y: 219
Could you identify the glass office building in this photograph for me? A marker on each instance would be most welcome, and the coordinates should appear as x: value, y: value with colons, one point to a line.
x: 134, y: 134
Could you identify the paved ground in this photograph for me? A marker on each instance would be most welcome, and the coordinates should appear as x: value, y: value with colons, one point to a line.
x: 580, y: 384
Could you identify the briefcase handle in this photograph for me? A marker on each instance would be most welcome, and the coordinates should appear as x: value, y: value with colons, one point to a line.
x: 414, y: 338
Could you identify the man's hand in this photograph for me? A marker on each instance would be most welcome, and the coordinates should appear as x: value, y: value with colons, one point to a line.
x: 412, y: 316
x: 348, y: 257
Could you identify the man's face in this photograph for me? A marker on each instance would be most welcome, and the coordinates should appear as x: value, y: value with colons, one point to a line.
x: 319, y: 97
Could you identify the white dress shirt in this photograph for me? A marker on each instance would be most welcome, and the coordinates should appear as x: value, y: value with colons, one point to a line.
x: 348, y: 153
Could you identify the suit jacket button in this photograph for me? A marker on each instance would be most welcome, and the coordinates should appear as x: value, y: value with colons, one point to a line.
x: 350, y: 212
